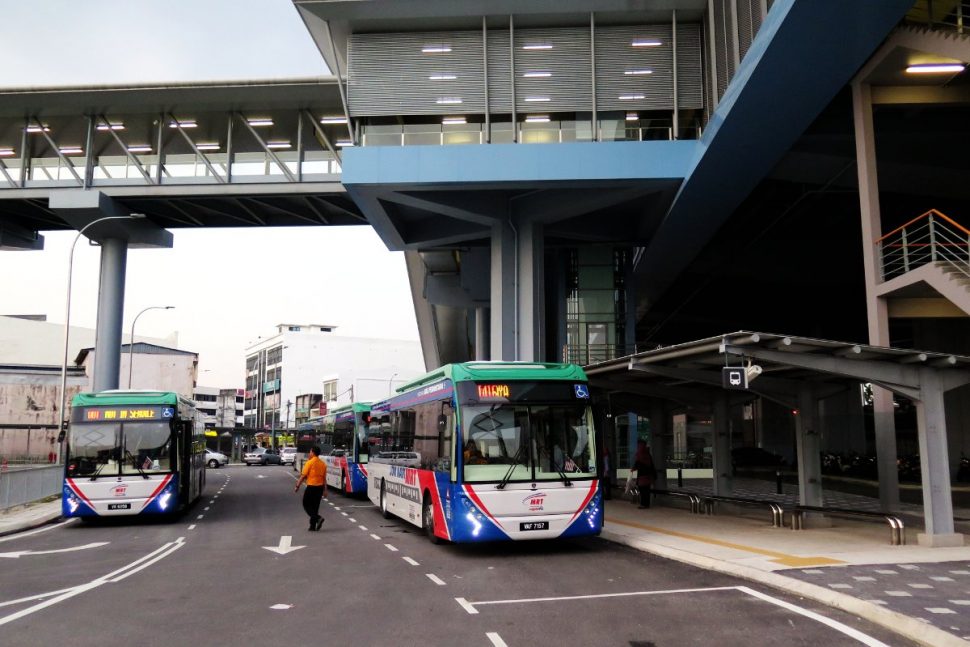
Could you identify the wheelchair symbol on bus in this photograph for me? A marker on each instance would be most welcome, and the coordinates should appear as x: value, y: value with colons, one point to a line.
x: 168, y: 412
x: 581, y: 390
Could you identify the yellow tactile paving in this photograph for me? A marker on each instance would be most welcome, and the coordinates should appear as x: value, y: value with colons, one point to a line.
x: 779, y: 558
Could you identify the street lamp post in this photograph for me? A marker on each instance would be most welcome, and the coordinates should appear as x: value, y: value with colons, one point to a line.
x: 390, y: 384
x: 67, y: 314
x: 131, y: 339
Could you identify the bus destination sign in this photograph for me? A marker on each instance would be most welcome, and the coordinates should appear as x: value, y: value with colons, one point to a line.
x: 114, y: 414
x: 487, y: 392
x: 522, y: 391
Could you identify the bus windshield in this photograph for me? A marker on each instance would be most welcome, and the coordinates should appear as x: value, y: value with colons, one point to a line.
x: 104, y: 449
x: 362, y: 445
x: 527, y: 442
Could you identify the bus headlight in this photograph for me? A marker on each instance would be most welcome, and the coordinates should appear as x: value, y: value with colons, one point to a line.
x: 476, y: 524
x: 163, y: 500
x: 72, y: 503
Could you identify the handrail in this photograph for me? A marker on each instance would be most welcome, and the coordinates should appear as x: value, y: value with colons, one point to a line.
x: 897, y: 529
x: 695, y: 501
x: 777, y: 512
x: 920, y: 217
x: 939, y: 240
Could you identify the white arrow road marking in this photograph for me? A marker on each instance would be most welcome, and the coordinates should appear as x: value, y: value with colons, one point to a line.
x: 284, y: 546
x: 21, y: 553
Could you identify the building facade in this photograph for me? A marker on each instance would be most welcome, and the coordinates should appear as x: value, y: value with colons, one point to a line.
x: 219, y: 407
x: 285, y: 371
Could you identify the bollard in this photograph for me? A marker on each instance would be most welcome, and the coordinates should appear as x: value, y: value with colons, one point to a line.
x: 680, y: 477
x: 778, y: 482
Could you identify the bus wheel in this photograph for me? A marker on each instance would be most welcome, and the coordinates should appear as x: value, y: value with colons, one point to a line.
x: 427, y: 520
x: 384, y: 511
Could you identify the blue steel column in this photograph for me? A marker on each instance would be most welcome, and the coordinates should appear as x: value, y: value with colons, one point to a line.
x: 530, y: 299
x: 503, y: 287
x: 111, y: 302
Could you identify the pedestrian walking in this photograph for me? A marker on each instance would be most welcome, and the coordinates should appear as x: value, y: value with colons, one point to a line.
x: 646, y: 472
x: 315, y: 474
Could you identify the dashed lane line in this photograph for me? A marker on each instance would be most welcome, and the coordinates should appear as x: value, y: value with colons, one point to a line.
x: 410, y: 561
x: 391, y: 548
x: 434, y: 578
x: 375, y: 536
x: 496, y: 639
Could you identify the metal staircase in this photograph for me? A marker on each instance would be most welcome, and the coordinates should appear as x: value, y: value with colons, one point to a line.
x: 928, y: 257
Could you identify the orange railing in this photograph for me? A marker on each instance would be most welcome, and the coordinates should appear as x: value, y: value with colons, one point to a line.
x: 932, y: 237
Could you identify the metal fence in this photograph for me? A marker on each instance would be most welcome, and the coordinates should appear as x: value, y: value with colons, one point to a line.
x: 25, y: 484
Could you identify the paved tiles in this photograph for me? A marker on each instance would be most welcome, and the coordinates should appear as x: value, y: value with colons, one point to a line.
x: 935, y: 593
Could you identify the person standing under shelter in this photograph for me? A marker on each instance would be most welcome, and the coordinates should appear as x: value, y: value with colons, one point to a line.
x: 315, y: 474
x: 646, y: 472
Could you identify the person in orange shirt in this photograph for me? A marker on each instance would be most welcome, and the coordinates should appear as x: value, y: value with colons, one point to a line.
x: 315, y: 474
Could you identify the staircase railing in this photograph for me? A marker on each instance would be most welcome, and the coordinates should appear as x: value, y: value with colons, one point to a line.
x: 932, y: 237
x: 949, y: 15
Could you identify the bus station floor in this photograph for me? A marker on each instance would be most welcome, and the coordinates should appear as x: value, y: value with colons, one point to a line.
x: 918, y: 592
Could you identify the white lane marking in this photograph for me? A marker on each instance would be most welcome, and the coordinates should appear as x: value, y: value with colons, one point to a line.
x: 336, y: 507
x: 496, y: 639
x: 364, y: 528
x: 467, y: 606
x: 200, y: 516
x: 192, y: 527
x: 352, y: 520
x: 604, y: 595
x: 865, y: 639
x: 153, y: 556
x: 21, y: 553
x: 410, y: 561
x: 345, y: 514
x: 36, y: 532
x: 375, y: 536
x: 205, y: 509
x: 39, y: 596
x: 178, y: 544
x: 434, y: 578
x: 281, y: 607
x: 391, y: 548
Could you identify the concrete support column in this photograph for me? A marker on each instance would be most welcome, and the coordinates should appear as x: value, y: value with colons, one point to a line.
x: 502, y: 298
x: 481, y: 334
x: 111, y: 303
x: 658, y: 441
x: 878, y: 315
x: 934, y: 464
x: 530, y: 297
x: 808, y: 442
x: 723, y: 477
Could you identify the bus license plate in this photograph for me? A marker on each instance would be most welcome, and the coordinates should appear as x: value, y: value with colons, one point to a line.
x: 119, y: 506
x: 534, y: 525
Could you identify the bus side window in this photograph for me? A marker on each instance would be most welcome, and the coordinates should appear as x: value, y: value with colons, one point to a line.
x: 445, y: 438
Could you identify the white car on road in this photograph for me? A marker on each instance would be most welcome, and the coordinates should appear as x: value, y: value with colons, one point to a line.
x: 215, y: 459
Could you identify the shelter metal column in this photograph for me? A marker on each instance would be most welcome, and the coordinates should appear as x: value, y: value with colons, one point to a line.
x: 111, y: 303
x: 658, y: 442
x: 876, y: 307
x: 503, y: 287
x: 934, y: 463
x: 723, y: 478
x: 808, y: 443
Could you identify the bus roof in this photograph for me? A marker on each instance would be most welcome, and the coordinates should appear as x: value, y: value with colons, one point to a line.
x: 119, y: 397
x: 499, y: 370
x: 357, y: 407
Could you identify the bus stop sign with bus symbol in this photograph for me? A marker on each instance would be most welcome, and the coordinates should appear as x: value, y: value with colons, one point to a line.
x: 734, y: 377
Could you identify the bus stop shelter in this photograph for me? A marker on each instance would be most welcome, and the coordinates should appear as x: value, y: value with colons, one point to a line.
x: 799, y: 372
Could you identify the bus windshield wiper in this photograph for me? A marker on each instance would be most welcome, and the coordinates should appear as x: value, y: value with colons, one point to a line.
x: 94, y: 477
x: 508, y: 475
x: 134, y: 462
x: 562, y: 474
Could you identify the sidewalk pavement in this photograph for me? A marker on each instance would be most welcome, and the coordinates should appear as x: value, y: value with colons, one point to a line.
x: 920, y: 593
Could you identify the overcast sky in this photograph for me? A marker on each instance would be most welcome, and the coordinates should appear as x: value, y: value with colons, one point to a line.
x: 228, y: 286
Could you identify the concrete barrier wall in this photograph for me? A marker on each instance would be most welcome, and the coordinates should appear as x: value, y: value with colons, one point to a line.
x: 20, y: 485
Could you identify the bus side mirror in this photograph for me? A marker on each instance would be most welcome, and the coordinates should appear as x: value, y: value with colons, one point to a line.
x: 442, y: 423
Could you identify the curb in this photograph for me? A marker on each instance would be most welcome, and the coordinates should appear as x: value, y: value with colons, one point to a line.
x: 906, y: 626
